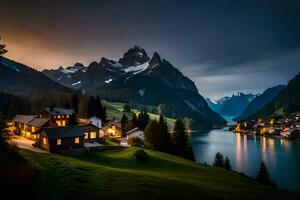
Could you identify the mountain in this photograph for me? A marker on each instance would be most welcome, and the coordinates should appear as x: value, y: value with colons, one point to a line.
x: 231, y: 106
x: 18, y: 78
x: 286, y: 102
x: 260, y: 101
x: 152, y: 83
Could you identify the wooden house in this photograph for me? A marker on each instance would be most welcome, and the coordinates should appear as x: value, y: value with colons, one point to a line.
x: 136, y: 132
x: 57, y: 116
x: 91, y: 132
x: 54, y: 139
x: 29, y: 126
x: 113, y: 129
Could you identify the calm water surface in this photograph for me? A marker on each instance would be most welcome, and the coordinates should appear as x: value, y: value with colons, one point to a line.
x: 245, y: 152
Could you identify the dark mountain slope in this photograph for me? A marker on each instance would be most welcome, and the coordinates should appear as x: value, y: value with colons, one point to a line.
x: 260, y: 101
x: 286, y: 102
x: 18, y: 78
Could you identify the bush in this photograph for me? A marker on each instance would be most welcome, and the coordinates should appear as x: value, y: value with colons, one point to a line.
x: 219, y: 160
x: 140, y: 155
x: 135, y: 142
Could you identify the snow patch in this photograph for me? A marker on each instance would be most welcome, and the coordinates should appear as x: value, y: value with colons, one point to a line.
x: 137, y: 69
x: 77, y: 83
x: 108, y: 81
x: 69, y: 71
x: 191, y: 105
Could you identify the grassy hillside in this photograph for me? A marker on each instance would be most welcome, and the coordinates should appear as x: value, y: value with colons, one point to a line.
x: 116, y: 175
x: 114, y: 110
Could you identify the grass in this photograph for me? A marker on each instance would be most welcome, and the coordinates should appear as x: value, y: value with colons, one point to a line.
x: 116, y: 175
x: 115, y: 110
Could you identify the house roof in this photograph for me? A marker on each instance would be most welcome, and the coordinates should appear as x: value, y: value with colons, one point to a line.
x: 38, y: 122
x: 63, y: 132
x: 59, y: 111
x: 133, y: 130
x: 95, y: 118
x: 23, y: 118
x: 114, y: 122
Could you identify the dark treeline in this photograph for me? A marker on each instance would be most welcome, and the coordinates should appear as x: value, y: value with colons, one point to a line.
x: 158, y: 137
x: 84, y: 106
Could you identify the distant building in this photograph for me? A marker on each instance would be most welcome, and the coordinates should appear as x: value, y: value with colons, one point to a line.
x: 54, y: 139
x: 136, y: 132
x: 57, y: 116
x: 96, y: 121
x: 112, y: 129
x: 91, y: 132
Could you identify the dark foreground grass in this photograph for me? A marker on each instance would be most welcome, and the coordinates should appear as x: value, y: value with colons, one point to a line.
x: 116, y: 175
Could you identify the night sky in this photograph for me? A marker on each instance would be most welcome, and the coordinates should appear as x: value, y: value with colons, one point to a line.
x: 224, y: 46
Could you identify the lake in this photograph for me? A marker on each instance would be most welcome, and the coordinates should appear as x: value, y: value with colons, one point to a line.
x: 245, y: 152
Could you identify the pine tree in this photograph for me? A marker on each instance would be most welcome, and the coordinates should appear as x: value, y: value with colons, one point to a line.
x: 126, y: 108
x: 164, y: 139
x: 92, y: 107
x: 227, y: 164
x: 180, y: 138
x: 73, y: 120
x: 124, y: 124
x: 133, y: 123
x: 151, y: 135
x: 142, y: 120
x: 3, y: 49
x: 83, y: 106
x: 219, y: 160
x: 75, y: 103
x: 263, y: 175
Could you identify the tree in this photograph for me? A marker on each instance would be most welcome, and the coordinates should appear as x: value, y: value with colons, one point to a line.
x: 124, y: 124
x: 126, y: 108
x: 92, y: 107
x: 83, y: 106
x: 227, y: 164
x: 3, y: 49
x: 75, y: 103
x: 219, y: 160
x: 165, y: 139
x: 133, y: 122
x: 100, y: 109
x: 142, y: 120
x: 180, y: 138
x: 73, y: 120
x: 263, y: 175
x: 151, y: 135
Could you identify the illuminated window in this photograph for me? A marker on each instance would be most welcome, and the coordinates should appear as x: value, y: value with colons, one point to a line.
x: 33, y: 129
x: 58, y: 116
x: 28, y: 134
x: 93, y: 135
x: 77, y: 140
x: 54, y: 117
x: 58, y: 123
x: 58, y: 141
x: 63, y: 123
x: 86, y: 135
x: 67, y: 116
x: 45, y: 141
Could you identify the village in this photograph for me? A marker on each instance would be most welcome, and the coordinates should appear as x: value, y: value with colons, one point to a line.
x: 287, y: 127
x: 58, y: 130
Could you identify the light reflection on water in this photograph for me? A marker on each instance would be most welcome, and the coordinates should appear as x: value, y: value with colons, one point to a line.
x: 245, y: 152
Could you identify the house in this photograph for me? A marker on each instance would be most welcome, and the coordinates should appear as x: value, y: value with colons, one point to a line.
x: 29, y: 126
x: 136, y: 132
x: 91, y: 132
x: 54, y: 139
x: 57, y: 116
x: 112, y: 129
x: 96, y: 121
